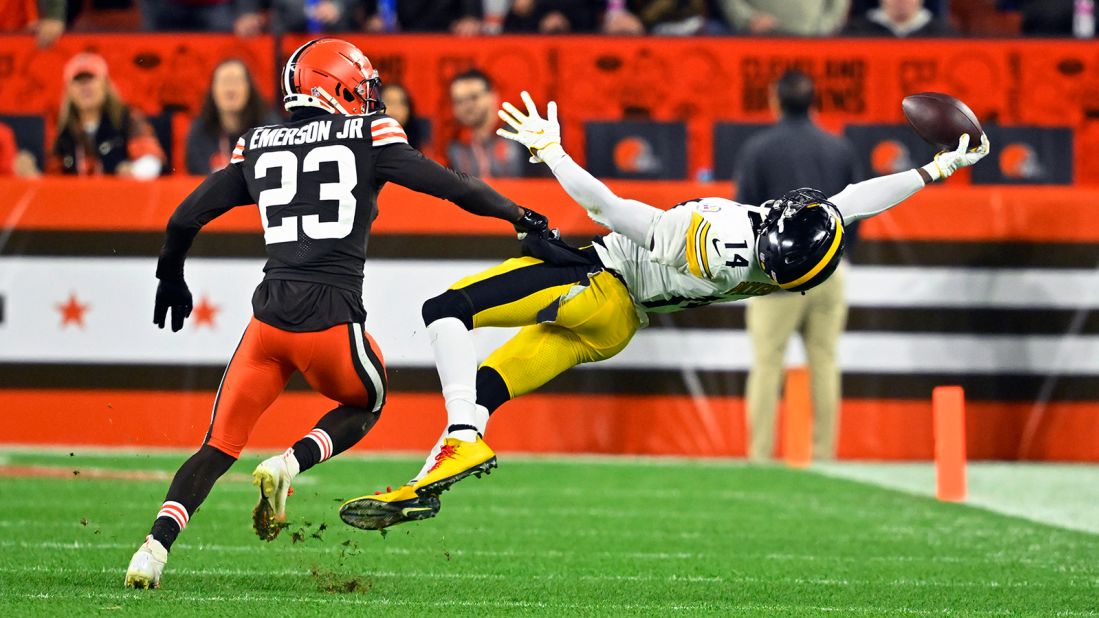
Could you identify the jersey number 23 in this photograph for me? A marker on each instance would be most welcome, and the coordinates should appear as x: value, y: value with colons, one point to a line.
x: 339, y: 191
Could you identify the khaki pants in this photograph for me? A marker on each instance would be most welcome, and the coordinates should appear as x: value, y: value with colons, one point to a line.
x: 819, y: 316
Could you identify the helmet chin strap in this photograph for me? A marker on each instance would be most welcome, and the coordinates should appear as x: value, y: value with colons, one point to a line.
x: 319, y: 98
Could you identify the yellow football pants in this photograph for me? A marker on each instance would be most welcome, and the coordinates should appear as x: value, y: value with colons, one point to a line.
x: 568, y: 316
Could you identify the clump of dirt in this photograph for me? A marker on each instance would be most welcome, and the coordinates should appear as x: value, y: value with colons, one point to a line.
x: 304, y: 532
x: 334, y: 583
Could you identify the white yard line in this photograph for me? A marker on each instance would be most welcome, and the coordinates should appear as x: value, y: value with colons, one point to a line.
x: 733, y: 579
x: 306, y: 548
x: 137, y: 598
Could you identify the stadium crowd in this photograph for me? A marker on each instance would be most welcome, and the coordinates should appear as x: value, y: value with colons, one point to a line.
x: 96, y: 132
x: 48, y: 19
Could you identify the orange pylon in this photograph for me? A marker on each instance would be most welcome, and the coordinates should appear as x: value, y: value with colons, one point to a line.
x: 797, y: 420
x: 948, y: 410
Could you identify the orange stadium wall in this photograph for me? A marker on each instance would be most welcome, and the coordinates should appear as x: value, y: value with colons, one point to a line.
x: 700, y: 82
x: 990, y: 288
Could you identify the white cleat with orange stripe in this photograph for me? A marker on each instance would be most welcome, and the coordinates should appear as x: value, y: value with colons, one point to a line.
x: 147, y: 565
x: 273, y: 477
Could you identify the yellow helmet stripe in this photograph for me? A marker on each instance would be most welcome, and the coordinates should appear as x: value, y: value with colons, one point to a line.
x: 822, y: 263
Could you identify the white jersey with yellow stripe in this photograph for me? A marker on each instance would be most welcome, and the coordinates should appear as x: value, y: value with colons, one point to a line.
x: 703, y: 252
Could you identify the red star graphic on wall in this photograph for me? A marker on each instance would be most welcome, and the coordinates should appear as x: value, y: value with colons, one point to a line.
x: 204, y: 313
x: 72, y: 311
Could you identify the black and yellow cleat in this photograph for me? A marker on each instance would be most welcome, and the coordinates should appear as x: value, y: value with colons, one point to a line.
x: 456, y: 460
x: 383, y: 510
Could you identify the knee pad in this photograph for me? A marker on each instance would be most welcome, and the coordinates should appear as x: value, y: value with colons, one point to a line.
x: 449, y: 304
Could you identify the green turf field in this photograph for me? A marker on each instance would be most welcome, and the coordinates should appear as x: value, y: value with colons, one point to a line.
x: 554, y: 537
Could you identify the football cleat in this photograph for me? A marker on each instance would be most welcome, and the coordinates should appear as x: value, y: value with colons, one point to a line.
x: 146, y: 565
x: 383, y: 510
x: 456, y: 460
x: 273, y: 477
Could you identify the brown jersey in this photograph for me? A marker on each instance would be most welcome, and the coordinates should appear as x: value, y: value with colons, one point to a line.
x: 316, y: 180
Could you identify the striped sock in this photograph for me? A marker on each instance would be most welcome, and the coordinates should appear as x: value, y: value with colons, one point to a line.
x: 170, y: 521
x: 176, y: 511
x: 314, y: 448
x: 324, y: 442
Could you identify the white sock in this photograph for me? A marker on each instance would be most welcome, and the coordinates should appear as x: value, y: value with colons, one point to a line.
x: 456, y: 361
x: 480, y: 418
x: 461, y: 409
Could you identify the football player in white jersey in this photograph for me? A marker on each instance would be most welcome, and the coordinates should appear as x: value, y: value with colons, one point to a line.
x: 584, y: 305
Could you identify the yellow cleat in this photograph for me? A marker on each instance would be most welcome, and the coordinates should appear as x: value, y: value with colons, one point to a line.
x: 389, y: 509
x: 457, y: 460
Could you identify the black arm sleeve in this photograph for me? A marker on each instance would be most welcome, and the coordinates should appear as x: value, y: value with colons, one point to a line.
x: 218, y: 194
x: 406, y: 166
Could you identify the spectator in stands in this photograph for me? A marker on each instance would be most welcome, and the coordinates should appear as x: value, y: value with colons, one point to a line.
x: 45, y: 18
x: 661, y: 17
x: 461, y: 17
x: 619, y: 20
x: 899, y: 18
x: 553, y: 16
x: 481, y: 152
x: 311, y: 16
x: 233, y: 105
x: 398, y: 104
x: 1045, y: 17
x: 796, y: 17
x: 96, y: 132
x: 13, y: 161
x: 188, y: 15
x: 795, y: 153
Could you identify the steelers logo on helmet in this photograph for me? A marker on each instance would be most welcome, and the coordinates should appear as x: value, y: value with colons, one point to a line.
x: 801, y: 241
x: 333, y: 75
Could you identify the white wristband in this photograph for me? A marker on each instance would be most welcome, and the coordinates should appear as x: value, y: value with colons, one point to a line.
x: 552, y: 155
x: 933, y: 171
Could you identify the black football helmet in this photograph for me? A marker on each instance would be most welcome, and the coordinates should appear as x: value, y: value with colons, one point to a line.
x: 801, y: 241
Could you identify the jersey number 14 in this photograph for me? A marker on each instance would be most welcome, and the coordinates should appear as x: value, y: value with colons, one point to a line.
x: 339, y: 191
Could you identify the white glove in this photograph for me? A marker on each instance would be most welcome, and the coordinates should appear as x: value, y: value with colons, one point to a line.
x: 950, y: 161
x: 542, y: 137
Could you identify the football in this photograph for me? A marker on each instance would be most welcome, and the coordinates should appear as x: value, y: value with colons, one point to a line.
x: 941, y: 119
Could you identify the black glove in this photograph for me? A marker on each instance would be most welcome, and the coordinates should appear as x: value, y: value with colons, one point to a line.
x: 534, y: 223
x: 175, y: 294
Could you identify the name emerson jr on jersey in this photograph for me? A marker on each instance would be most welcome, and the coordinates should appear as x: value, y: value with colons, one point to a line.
x: 316, y: 131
